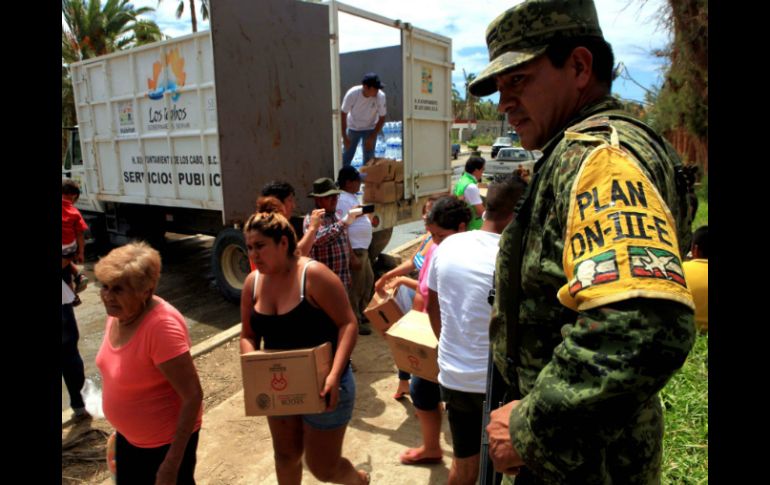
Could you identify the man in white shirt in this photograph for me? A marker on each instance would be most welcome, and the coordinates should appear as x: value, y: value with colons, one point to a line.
x: 363, y: 114
x: 460, y: 280
x: 360, y: 235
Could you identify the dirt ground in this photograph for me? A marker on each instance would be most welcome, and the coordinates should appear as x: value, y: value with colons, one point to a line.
x: 235, y: 449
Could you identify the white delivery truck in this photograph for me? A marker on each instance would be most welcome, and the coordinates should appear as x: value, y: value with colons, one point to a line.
x: 181, y: 135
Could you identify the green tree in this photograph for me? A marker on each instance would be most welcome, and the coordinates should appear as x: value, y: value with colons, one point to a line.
x: 681, y: 103
x: 193, y: 17
x: 146, y: 32
x: 91, y: 29
x: 470, y: 100
x: 486, y: 110
x: 457, y: 102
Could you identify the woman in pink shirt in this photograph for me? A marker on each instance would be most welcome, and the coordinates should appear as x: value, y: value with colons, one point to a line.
x: 151, y: 391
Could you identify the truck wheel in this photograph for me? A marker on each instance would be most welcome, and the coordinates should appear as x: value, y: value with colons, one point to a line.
x: 230, y: 263
x: 380, y: 239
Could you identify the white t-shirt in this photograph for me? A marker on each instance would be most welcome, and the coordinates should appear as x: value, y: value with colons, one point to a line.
x: 363, y: 112
x: 461, y: 272
x: 360, y: 232
x: 472, y: 195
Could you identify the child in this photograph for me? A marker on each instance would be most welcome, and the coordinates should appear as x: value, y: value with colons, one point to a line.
x: 73, y: 245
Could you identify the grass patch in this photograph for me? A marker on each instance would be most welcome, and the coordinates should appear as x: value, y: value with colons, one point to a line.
x: 702, y: 215
x: 482, y: 140
x: 685, y: 409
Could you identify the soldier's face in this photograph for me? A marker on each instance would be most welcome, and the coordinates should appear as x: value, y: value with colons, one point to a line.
x: 538, y: 99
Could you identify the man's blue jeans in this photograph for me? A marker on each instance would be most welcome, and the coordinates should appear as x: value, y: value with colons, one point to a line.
x: 355, y: 136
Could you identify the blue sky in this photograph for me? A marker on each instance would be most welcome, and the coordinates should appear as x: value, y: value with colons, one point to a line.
x: 629, y: 25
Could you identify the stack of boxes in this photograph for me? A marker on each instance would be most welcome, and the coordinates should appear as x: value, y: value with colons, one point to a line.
x: 383, y: 180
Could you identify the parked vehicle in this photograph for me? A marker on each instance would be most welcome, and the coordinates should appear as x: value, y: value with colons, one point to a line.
x: 508, y: 161
x: 500, y: 142
x: 180, y: 135
x: 515, y: 138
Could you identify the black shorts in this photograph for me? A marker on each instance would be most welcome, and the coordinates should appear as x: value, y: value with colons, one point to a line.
x: 140, y: 465
x: 464, y: 410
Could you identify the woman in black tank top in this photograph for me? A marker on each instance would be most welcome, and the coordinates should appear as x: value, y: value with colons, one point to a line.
x: 293, y: 302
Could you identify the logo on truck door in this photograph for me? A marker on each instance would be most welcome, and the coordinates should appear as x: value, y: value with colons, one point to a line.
x: 173, y: 67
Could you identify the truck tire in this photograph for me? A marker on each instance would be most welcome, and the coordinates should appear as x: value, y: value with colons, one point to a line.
x: 380, y: 239
x: 230, y: 263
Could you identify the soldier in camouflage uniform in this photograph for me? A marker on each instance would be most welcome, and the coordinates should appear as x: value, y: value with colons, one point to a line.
x: 592, y: 314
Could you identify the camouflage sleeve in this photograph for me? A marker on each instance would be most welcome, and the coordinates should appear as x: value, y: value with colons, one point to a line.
x: 612, y: 361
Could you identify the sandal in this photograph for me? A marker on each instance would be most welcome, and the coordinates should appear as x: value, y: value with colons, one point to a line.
x: 81, y: 282
x: 367, y: 476
x: 399, y: 395
x: 409, y: 457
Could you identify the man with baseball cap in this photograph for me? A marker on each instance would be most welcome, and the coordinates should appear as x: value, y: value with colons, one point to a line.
x: 592, y: 314
x: 363, y: 114
x: 360, y: 235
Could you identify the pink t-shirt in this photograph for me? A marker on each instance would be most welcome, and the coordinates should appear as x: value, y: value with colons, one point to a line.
x: 136, y: 398
x: 422, y: 279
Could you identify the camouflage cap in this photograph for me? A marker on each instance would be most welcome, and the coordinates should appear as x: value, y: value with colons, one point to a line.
x: 523, y: 33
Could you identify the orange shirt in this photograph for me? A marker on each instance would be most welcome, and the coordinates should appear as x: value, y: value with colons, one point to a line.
x: 136, y: 398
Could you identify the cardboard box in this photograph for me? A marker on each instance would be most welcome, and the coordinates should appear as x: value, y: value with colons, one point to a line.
x: 374, y: 173
x: 387, y: 192
x: 283, y: 382
x: 399, y: 190
x: 383, y: 311
x: 398, y: 172
x: 414, y: 346
x: 379, y: 170
x: 381, y: 193
x: 370, y: 193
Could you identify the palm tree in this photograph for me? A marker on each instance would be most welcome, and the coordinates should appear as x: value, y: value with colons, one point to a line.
x: 146, y: 32
x: 457, y: 102
x: 486, y: 110
x: 93, y: 30
x: 204, y: 11
x: 470, y: 99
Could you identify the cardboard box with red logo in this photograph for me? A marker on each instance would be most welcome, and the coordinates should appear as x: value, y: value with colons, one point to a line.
x: 283, y: 382
x: 383, y: 311
x: 414, y: 346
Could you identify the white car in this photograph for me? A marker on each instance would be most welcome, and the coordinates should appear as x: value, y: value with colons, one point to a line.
x: 500, y: 143
x: 508, y: 161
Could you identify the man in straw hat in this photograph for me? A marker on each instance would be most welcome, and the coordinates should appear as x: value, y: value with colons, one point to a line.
x: 332, y: 244
x: 592, y: 314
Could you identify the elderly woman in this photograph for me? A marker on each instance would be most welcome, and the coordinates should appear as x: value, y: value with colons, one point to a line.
x: 293, y: 302
x: 151, y: 392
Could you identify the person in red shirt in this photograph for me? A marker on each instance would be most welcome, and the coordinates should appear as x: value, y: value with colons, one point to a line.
x: 72, y: 368
x: 73, y: 242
